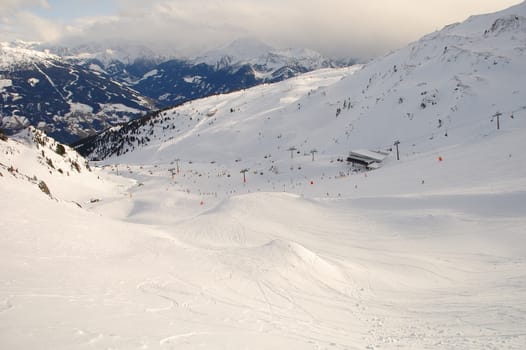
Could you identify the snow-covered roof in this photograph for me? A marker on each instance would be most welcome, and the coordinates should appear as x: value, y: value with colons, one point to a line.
x: 373, y: 155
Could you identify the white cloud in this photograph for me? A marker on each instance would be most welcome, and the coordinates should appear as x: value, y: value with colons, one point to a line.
x: 39, y: 29
x: 8, y: 6
x: 17, y: 23
x: 353, y: 28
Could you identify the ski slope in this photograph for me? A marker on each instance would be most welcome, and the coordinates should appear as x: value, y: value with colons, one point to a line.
x: 164, y: 246
x: 150, y: 267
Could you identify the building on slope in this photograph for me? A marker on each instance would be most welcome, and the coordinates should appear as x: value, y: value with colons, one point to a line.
x: 364, y: 159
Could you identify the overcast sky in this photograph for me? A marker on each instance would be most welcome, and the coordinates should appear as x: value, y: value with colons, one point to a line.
x: 338, y: 28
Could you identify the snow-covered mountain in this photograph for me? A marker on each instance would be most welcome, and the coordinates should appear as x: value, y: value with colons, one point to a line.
x: 65, y: 99
x: 239, y: 65
x: 444, y: 89
x: 106, y: 52
x: 73, y: 92
x: 266, y: 60
x: 170, y: 80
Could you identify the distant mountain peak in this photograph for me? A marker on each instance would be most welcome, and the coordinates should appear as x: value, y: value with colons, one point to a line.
x: 248, y: 46
x: 255, y: 52
x: 242, y: 49
x: 106, y: 52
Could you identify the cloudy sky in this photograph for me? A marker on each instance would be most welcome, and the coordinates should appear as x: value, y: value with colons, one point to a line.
x: 338, y: 28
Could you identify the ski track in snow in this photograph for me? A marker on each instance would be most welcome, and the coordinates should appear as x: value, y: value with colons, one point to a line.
x: 51, y: 82
x: 75, y: 80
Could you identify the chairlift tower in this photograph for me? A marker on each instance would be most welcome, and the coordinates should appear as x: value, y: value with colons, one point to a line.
x: 396, y: 143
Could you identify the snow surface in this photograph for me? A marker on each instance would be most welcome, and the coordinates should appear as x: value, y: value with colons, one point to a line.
x: 5, y: 83
x: 76, y: 107
x: 18, y: 53
x: 165, y: 246
x: 33, y: 81
x: 149, y: 74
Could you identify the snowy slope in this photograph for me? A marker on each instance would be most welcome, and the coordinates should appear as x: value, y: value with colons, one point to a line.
x: 450, y: 82
x: 258, y: 120
x: 428, y: 252
x: 33, y: 160
x: 22, y: 53
x: 154, y: 266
